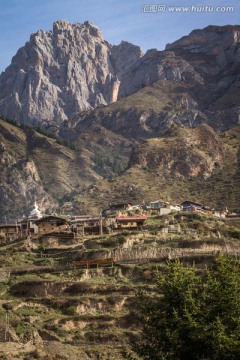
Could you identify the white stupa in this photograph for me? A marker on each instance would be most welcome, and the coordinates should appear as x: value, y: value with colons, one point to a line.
x: 35, y: 213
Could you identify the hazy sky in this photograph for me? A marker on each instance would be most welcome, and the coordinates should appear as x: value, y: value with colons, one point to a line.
x: 135, y: 21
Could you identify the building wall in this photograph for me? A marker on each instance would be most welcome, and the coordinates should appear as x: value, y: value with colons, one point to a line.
x: 47, y: 227
x: 129, y: 224
x: 155, y: 206
x: 9, y: 232
x: 164, y: 211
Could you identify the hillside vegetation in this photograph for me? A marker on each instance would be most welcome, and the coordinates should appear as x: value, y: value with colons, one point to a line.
x: 56, y: 311
x: 195, y: 164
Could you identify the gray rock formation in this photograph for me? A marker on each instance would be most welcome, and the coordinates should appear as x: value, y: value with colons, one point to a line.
x: 60, y: 72
x: 221, y: 43
x: 194, y: 59
x: 157, y: 65
x: 59, y: 77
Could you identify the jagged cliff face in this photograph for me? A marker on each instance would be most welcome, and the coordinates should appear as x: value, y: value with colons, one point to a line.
x: 195, y: 81
x: 222, y: 43
x: 60, y: 72
x: 195, y: 59
x: 60, y: 76
x: 154, y: 66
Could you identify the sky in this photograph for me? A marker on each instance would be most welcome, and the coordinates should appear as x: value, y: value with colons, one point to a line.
x: 147, y: 23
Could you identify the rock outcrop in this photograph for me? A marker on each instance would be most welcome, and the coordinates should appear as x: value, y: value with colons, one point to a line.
x: 72, y: 70
x: 220, y: 43
x: 197, y: 59
x: 157, y: 65
x: 63, y: 71
x: 195, y: 81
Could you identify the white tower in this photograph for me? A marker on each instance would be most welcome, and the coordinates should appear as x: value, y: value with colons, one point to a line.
x: 35, y: 213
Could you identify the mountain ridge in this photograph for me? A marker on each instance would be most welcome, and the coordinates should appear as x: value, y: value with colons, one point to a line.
x: 166, y: 105
x: 72, y: 69
x: 59, y: 72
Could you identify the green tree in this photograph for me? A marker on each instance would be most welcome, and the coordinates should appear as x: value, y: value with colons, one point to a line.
x: 192, y: 316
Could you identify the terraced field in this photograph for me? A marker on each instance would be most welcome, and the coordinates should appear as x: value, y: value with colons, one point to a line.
x: 51, y: 310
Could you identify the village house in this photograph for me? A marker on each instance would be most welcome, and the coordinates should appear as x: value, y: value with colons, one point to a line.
x: 51, y: 224
x: 192, y: 206
x: 92, y: 225
x: 156, y: 205
x: 120, y: 206
x: 85, y: 225
x: 28, y: 227
x: 163, y: 208
x: 130, y: 221
x: 9, y: 231
x: 117, y: 209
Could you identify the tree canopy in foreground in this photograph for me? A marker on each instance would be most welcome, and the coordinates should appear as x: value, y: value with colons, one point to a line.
x: 192, y: 316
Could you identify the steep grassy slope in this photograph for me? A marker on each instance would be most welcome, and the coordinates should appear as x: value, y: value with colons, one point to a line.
x: 194, y: 164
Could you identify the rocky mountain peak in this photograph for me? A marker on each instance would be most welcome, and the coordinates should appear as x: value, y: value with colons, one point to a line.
x: 64, y: 26
x: 124, y: 55
x: 61, y: 25
x: 222, y: 42
x: 93, y: 29
x: 199, y: 40
x: 61, y: 72
x: 62, y: 75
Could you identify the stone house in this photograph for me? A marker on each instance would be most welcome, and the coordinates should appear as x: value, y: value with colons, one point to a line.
x: 9, y: 231
x: 130, y: 221
x: 51, y: 224
x: 156, y: 205
x: 191, y: 206
x: 85, y: 225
